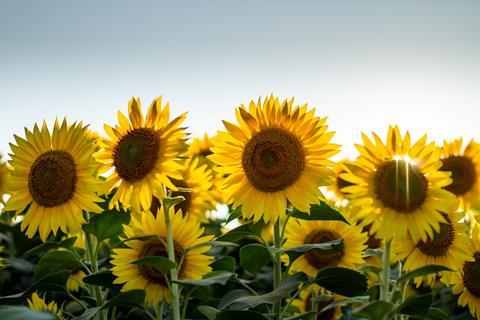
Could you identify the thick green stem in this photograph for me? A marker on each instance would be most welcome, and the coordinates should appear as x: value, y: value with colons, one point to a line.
x: 89, y: 243
x: 384, y: 286
x: 277, y: 266
x: 173, y: 272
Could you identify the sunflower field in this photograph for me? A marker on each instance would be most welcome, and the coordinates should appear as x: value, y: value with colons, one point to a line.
x: 266, y: 220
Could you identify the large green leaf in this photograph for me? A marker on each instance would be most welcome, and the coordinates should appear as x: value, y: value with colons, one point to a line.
x: 215, y: 277
x: 102, y: 278
x: 65, y: 243
x: 417, y: 305
x: 254, y: 256
x: 422, y: 271
x: 240, y: 232
x: 23, y: 313
x: 436, y: 314
x: 286, y: 287
x: 235, y: 214
x: 296, y: 252
x: 231, y: 296
x: 320, y: 211
x: 377, y: 310
x: 239, y: 315
x: 343, y: 281
x: 161, y: 264
x: 226, y: 263
x: 107, y: 225
x: 54, y: 261
x: 310, y: 315
x: 53, y: 282
x: 209, y: 312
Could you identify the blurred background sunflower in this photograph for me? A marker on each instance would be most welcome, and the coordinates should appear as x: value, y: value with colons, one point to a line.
x: 39, y: 304
x: 305, y: 302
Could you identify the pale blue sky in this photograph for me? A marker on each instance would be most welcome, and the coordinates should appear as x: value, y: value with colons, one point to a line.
x: 364, y: 64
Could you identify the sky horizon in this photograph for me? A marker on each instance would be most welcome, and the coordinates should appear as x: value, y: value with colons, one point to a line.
x: 364, y: 65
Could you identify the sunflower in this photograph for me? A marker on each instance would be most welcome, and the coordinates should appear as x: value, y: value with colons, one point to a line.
x: 399, y: 187
x: 299, y: 232
x: 464, y: 164
x: 200, y: 148
x: 199, y: 179
x: 466, y: 281
x: 449, y: 247
x: 278, y: 154
x: 304, y: 303
x: 143, y: 153
x: 186, y: 234
x: 3, y: 179
x: 53, y: 176
x: 75, y: 281
x: 39, y: 304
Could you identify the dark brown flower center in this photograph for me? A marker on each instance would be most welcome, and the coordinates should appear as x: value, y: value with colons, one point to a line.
x: 136, y: 153
x: 273, y: 160
x: 441, y: 241
x: 400, y: 186
x: 155, y: 247
x: 52, y: 178
x: 471, y: 275
x: 322, y: 258
x: 463, y: 174
x: 326, y: 315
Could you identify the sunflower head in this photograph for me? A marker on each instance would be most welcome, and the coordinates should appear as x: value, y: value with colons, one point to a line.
x: 305, y: 303
x: 141, y: 155
x: 39, y: 304
x: 299, y: 232
x: 449, y: 246
x: 53, y: 177
x: 186, y: 234
x: 464, y: 164
x: 75, y: 281
x: 3, y: 179
x: 200, y: 148
x: 397, y: 186
x: 466, y: 281
x: 277, y: 154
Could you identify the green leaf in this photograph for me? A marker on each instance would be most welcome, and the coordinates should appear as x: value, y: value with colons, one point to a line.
x: 161, y: 264
x: 209, y: 312
x: 436, y: 314
x: 286, y: 287
x: 88, y: 314
x: 377, y: 310
x: 66, y: 243
x: 347, y: 301
x: 343, y: 281
x: 54, y: 261
x: 320, y: 211
x: 235, y: 214
x: 171, y: 201
x: 370, y: 268
x: 107, y: 225
x: 417, y: 305
x: 296, y: 252
x: 310, y: 315
x: 239, y: 315
x: 22, y: 313
x: 224, y: 263
x: 240, y: 232
x: 215, y: 277
x: 19, y: 264
x: 53, y: 282
x: 422, y: 271
x: 231, y: 296
x: 254, y: 256
x: 102, y: 278
x: 133, y: 299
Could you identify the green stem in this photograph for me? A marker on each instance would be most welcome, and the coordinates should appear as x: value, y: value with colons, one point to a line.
x: 173, y: 272
x: 277, y: 266
x: 384, y: 286
x: 159, y: 312
x: 89, y: 243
